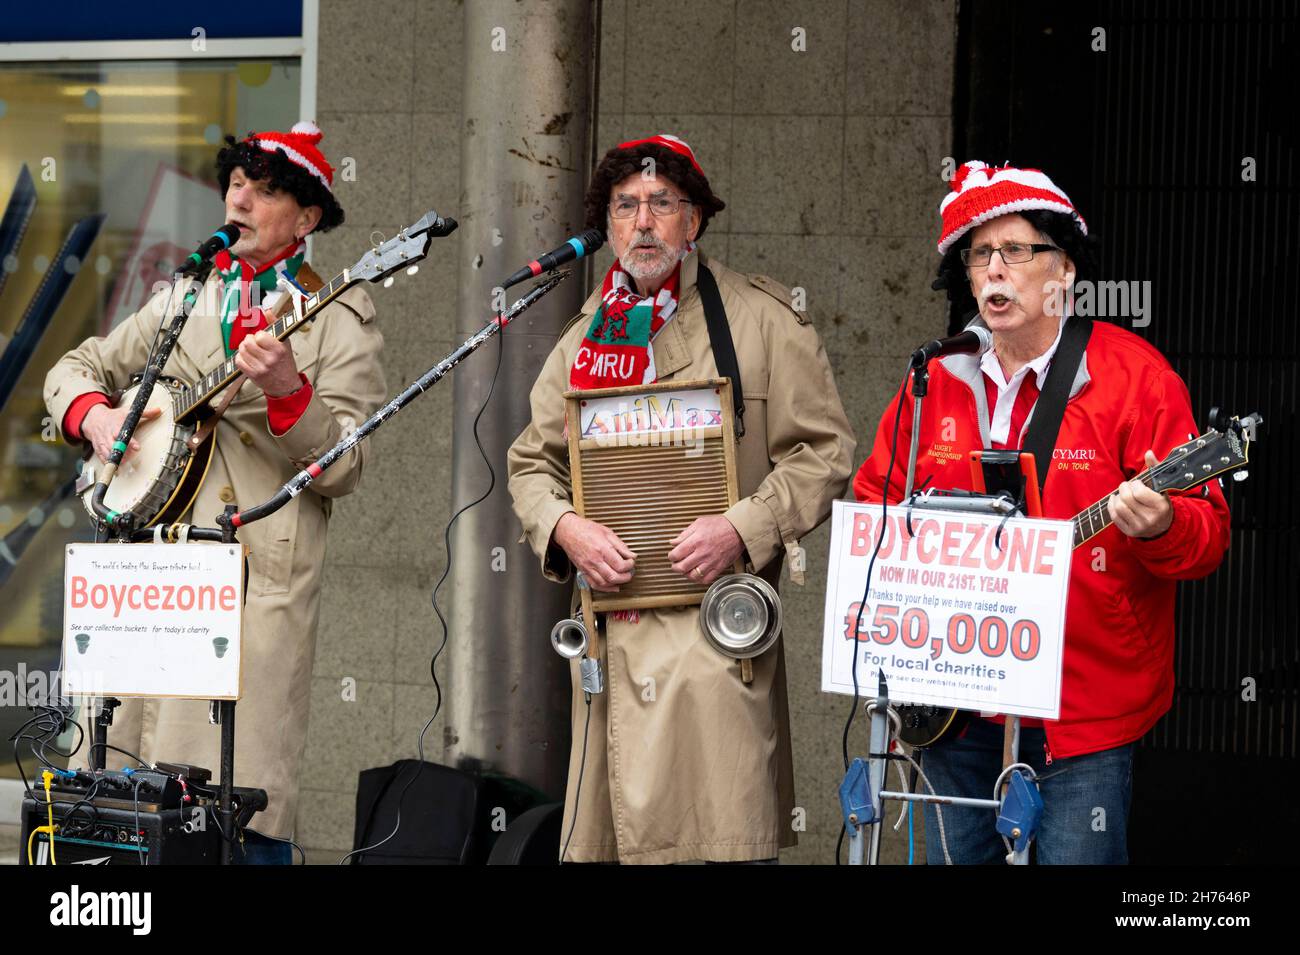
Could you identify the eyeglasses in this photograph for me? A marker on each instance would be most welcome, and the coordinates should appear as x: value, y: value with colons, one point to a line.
x: 659, y: 205
x: 982, y: 255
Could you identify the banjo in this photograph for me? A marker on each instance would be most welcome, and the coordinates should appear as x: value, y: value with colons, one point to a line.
x: 159, y: 482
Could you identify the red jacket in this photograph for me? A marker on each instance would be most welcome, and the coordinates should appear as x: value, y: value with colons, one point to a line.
x: 1118, y: 674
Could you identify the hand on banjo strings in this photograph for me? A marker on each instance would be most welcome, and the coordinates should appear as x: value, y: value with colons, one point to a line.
x: 102, y: 424
x: 604, y: 560
x: 269, y: 363
x: 707, y: 549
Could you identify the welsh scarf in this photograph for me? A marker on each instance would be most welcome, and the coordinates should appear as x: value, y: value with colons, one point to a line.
x: 616, y: 349
x: 237, y: 277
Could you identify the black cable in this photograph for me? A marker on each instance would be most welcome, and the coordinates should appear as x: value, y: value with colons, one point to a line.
x: 93, y: 746
x: 87, y: 801
x: 866, y: 590
x: 577, y: 790
x: 446, y: 540
x: 139, y: 845
x: 116, y: 749
x: 54, y: 718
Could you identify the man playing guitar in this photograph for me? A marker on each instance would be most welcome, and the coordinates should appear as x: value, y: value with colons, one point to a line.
x: 296, y: 401
x: 1013, y: 247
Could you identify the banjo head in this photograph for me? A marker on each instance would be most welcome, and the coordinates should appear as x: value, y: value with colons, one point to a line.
x: 146, y: 478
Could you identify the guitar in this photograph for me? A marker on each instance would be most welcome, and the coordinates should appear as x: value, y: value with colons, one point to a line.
x: 160, y: 481
x: 1224, y: 447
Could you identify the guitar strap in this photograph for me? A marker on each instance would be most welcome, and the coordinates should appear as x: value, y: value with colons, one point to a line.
x: 1045, y: 426
x: 724, y: 349
x: 310, y: 281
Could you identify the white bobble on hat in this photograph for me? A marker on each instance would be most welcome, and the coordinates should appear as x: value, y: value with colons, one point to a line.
x: 307, y: 128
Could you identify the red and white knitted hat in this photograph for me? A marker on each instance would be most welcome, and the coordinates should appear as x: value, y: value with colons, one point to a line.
x: 678, y: 146
x: 299, y: 146
x: 980, y: 194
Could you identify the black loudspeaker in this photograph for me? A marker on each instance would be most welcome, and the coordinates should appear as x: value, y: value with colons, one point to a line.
x: 449, y: 816
x: 97, y: 834
x: 438, y: 813
x: 532, y: 839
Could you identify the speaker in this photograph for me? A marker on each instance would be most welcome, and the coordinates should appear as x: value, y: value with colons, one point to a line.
x: 98, y: 834
x: 449, y: 816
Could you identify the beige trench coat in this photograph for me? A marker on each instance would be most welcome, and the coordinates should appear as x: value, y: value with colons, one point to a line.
x: 339, y: 353
x: 703, y: 770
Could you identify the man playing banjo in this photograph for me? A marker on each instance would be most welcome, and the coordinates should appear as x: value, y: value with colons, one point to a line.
x: 298, y: 398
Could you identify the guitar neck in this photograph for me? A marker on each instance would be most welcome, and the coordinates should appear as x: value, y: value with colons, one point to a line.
x: 1095, y: 518
x: 211, y: 384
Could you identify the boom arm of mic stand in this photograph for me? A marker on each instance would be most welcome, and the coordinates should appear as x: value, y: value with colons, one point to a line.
x: 305, y: 477
x: 151, y: 373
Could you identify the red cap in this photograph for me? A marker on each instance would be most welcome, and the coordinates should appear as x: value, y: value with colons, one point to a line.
x: 980, y: 193
x: 299, y: 145
x: 669, y: 142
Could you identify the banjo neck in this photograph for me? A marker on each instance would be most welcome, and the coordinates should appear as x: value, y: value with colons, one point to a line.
x: 193, y: 397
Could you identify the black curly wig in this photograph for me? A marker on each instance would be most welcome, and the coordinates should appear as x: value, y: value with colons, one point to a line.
x: 1063, y: 230
x: 283, y: 173
x: 618, y: 164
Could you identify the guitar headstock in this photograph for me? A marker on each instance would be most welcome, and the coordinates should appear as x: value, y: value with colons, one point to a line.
x: 402, y: 251
x: 1214, y: 453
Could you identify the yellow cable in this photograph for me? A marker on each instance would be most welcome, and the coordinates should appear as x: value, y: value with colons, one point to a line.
x: 47, y: 777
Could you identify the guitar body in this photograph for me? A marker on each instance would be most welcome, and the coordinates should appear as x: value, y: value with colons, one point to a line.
x: 926, y: 725
x: 159, y: 482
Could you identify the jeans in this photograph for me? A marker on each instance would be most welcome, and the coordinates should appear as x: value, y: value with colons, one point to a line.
x: 1085, y: 807
x: 262, y: 850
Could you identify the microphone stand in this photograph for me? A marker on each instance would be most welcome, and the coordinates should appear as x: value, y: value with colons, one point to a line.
x: 305, y: 477
x: 124, y: 523
x: 920, y: 385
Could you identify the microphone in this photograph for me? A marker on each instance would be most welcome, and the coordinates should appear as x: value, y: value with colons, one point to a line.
x: 223, y: 238
x: 584, y: 243
x: 976, y: 338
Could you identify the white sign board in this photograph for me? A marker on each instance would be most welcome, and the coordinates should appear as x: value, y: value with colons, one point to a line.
x: 957, y: 615
x: 156, y: 620
x: 650, y: 418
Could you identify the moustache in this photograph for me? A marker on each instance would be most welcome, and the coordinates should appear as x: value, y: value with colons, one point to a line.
x: 1004, y: 289
x: 648, y: 239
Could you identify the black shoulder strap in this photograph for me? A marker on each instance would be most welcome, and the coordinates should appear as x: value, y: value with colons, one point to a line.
x: 1040, y: 439
x: 724, y: 349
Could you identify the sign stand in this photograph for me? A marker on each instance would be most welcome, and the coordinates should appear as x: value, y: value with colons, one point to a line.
x: 226, y: 717
x: 99, y: 743
x: 222, y: 714
x: 862, y: 788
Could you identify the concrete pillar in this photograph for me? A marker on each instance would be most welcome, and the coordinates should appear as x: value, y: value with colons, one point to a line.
x: 524, y: 167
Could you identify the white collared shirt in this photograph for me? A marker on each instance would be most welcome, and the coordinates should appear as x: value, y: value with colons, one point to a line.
x: 1000, y: 413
